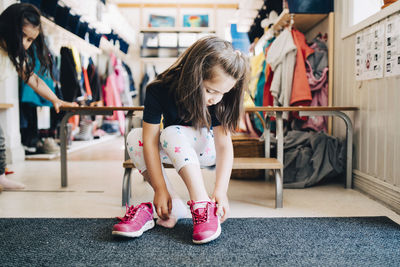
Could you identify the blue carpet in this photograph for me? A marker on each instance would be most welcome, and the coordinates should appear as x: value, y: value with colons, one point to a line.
x: 355, y: 241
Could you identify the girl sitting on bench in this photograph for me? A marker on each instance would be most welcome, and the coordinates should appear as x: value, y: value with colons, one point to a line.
x: 200, y: 98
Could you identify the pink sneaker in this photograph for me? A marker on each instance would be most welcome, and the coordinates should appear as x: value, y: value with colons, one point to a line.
x: 137, y: 220
x: 206, y: 225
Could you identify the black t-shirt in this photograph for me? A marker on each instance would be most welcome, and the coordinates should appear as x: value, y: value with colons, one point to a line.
x: 159, y: 101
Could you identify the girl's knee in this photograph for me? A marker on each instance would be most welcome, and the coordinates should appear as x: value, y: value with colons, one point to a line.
x: 168, y: 132
x: 134, y: 136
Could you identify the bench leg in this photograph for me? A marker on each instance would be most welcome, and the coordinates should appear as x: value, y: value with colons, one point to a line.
x: 126, y: 187
x: 278, y: 189
x: 267, y: 144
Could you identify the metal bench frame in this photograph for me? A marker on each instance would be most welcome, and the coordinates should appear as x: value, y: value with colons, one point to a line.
x: 269, y: 111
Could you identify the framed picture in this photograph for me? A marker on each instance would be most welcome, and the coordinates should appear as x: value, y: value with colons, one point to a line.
x: 161, y: 21
x: 190, y: 20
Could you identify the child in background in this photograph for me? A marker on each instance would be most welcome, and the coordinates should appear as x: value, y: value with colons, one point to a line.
x: 20, y: 35
x: 200, y: 98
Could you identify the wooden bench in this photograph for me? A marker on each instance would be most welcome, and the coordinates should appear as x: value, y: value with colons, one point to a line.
x: 238, y: 163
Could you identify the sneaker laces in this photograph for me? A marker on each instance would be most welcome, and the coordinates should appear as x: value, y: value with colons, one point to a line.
x: 130, y: 213
x: 199, y: 215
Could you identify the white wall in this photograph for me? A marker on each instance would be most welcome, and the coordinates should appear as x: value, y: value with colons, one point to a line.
x: 9, y: 118
x: 377, y: 123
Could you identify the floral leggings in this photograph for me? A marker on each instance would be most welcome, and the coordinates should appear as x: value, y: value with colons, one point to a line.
x: 179, y: 145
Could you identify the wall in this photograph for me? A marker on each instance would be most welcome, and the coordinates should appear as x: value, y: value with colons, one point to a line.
x: 377, y: 123
x: 132, y: 14
x: 9, y: 119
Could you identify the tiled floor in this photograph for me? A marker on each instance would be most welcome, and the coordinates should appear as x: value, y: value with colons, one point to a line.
x: 94, y: 190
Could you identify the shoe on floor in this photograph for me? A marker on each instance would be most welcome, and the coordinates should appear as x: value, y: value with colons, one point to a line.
x: 136, y: 221
x: 1, y: 188
x: 206, y: 225
x: 50, y: 146
x: 85, y: 131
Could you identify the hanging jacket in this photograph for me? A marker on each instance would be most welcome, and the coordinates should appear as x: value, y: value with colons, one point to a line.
x: 112, y: 95
x: 86, y: 83
x: 319, y: 59
x: 148, y: 76
x: 282, y: 58
x: 258, y: 99
x: 317, y: 74
x: 126, y: 97
x: 268, y: 99
x: 142, y: 91
x: 301, y: 91
x: 132, y: 87
x: 256, y: 65
x: 94, y: 81
x: 70, y: 85
x: 77, y: 60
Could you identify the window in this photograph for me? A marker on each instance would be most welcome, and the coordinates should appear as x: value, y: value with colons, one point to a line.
x: 362, y: 9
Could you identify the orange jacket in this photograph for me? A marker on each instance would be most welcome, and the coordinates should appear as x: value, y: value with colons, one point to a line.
x: 301, y: 91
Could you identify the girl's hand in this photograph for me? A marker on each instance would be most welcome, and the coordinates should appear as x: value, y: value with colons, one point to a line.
x: 223, y: 205
x: 163, y: 203
x: 59, y: 103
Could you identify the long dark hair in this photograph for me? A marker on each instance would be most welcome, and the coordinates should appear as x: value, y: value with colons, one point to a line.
x: 195, y: 65
x: 12, y: 20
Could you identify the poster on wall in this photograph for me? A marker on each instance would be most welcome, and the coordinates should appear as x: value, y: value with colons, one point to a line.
x: 195, y: 20
x: 370, y: 47
x: 392, y: 42
x: 161, y: 21
x: 358, y: 67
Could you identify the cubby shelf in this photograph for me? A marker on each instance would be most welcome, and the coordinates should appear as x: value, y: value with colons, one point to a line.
x: 302, y: 22
x: 168, y: 48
